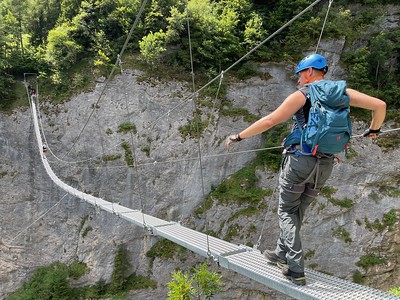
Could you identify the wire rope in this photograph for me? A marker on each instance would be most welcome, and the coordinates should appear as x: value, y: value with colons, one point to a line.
x: 257, y: 245
x: 189, y: 98
x: 38, y: 219
x: 323, y: 25
x: 111, y: 73
x: 230, y: 153
x: 194, y: 94
x: 194, y: 102
x: 197, y: 125
x: 140, y: 195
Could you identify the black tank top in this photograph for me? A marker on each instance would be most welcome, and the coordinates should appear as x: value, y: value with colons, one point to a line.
x: 302, y: 113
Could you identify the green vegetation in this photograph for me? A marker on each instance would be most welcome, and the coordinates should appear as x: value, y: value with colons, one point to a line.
x: 86, y: 231
x: 127, y: 127
x: 82, y: 223
x: 111, y: 157
x: 388, y: 220
x: 272, y: 158
x: 248, y: 211
x: 309, y: 254
x: 233, y: 231
x: 345, y: 203
x: 165, y: 249
x: 51, y: 282
x: 121, y: 269
x: 181, y: 286
x: 395, y: 291
x: 109, y: 131
x: 194, y: 128
x: 128, y: 153
x: 241, y: 188
x: 390, y: 141
x: 368, y: 261
x: 313, y: 266
x: 351, y: 153
x: 238, y: 112
x: 343, y: 234
x: 54, y: 282
x: 80, y: 40
x: 358, y: 277
x: 389, y: 186
x: 146, y: 150
x: 204, y: 207
x: 200, y: 283
x: 328, y: 192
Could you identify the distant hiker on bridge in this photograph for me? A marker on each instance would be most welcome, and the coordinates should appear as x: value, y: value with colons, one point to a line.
x: 32, y: 91
x: 320, y: 109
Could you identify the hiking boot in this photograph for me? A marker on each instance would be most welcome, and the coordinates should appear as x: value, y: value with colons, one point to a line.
x: 274, y: 259
x: 296, y: 278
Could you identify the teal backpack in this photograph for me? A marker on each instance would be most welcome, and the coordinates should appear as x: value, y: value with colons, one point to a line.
x: 328, y: 128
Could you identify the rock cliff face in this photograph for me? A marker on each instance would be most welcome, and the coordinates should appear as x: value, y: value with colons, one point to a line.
x: 40, y: 224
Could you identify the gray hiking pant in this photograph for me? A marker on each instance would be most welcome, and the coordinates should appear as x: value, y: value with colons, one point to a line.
x: 300, y: 180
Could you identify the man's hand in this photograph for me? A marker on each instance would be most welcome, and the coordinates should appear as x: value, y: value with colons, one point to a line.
x: 232, y: 139
x: 372, y: 133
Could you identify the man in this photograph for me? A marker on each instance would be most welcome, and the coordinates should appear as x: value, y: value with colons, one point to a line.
x: 303, y: 174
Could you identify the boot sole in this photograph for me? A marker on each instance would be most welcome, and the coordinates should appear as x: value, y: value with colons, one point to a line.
x: 297, y: 281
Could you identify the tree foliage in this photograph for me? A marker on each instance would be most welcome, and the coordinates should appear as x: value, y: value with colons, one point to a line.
x: 54, y: 282
x: 180, y: 288
x: 49, y: 282
x: 52, y: 37
x: 198, y: 284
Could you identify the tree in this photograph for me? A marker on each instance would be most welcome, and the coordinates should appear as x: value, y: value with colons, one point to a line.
x: 180, y: 288
x: 6, y: 92
x: 42, y: 16
x: 156, y: 17
x: 62, y: 50
x: 254, y: 32
x: 69, y: 9
x: 121, y: 269
x: 152, y: 46
x: 49, y: 282
x: 216, y: 29
x: 207, y: 283
x: 201, y: 283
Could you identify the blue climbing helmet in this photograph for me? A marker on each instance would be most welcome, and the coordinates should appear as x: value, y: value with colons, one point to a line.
x: 315, y: 61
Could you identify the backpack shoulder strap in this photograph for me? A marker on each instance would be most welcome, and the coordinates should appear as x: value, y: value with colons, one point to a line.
x: 330, y: 93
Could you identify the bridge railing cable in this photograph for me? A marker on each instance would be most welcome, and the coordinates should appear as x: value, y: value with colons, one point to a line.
x: 238, y: 258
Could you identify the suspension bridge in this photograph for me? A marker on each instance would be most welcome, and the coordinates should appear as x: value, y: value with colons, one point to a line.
x: 241, y: 259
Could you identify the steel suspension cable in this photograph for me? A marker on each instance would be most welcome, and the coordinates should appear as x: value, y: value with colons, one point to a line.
x: 154, y: 163
x: 194, y: 102
x: 38, y: 219
x: 111, y: 73
x: 323, y: 25
x: 140, y: 195
x: 193, y: 95
x: 189, y: 98
x: 277, y: 184
x: 196, y: 123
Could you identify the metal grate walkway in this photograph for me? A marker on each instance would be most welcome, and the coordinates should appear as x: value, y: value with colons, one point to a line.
x: 241, y: 259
